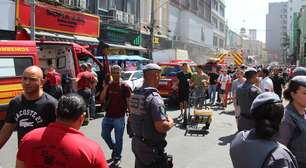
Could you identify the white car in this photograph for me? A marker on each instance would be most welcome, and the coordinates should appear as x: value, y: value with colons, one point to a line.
x: 132, y: 78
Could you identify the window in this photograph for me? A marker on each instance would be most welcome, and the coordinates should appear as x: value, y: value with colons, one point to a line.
x: 221, y: 43
x: 185, y: 3
x: 12, y: 67
x: 215, y: 42
x: 203, y: 34
x: 222, y: 13
x: 131, y: 7
x: 221, y: 26
x: 116, y: 4
x: 87, y: 59
x: 103, y: 4
x: 137, y: 75
x: 214, y: 22
x: 215, y: 5
x: 194, y: 4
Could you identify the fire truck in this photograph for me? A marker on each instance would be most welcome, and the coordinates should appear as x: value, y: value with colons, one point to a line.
x: 232, y: 57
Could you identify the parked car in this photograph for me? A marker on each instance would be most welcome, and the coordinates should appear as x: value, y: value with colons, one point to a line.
x: 133, y: 78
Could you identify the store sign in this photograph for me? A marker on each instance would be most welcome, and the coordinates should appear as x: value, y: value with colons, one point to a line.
x: 58, y: 19
x: 137, y: 40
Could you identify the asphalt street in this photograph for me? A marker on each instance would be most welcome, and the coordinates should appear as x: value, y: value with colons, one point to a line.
x: 191, y: 151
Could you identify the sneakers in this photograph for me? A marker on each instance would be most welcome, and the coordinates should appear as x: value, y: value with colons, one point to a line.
x: 116, y: 163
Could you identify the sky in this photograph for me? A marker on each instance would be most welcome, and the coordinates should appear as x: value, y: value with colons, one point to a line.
x: 250, y: 14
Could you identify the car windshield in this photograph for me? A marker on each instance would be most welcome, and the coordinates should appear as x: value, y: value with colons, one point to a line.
x: 126, y: 75
x: 170, y: 70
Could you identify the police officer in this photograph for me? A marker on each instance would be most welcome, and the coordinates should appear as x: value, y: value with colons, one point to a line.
x: 149, y: 122
x: 292, y: 131
x: 255, y: 148
x: 246, y: 93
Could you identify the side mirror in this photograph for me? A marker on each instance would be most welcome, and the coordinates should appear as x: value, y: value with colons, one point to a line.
x: 134, y: 78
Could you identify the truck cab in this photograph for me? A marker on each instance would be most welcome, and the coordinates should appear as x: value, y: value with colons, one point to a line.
x: 15, y: 56
x: 168, y: 82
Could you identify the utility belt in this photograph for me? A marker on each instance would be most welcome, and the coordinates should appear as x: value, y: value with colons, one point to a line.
x: 246, y: 116
x: 150, y: 142
x: 152, y: 154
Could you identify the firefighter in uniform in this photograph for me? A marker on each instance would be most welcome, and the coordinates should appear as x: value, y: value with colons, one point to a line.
x: 246, y: 93
x: 149, y: 122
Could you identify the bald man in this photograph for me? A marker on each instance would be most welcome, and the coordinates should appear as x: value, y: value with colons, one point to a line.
x: 32, y: 109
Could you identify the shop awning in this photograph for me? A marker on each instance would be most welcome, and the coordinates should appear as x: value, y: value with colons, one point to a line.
x: 65, y: 37
x: 126, y: 46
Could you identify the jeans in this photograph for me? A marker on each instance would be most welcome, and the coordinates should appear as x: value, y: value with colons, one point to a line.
x: 212, y: 89
x: 200, y: 97
x: 118, y: 124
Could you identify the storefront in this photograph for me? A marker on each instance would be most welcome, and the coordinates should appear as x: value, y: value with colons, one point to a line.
x: 159, y: 41
x: 120, y: 41
x: 57, y: 23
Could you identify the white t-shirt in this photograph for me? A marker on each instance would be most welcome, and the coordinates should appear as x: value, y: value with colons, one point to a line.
x: 266, y: 85
x: 223, y: 80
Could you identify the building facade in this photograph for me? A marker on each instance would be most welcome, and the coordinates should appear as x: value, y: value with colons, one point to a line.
x: 7, y: 26
x: 301, y: 37
x: 191, y: 29
x: 58, y: 21
x: 276, y: 30
x: 218, y: 22
x: 256, y: 50
x: 120, y: 27
x: 293, y: 9
x: 160, y: 26
x: 233, y: 40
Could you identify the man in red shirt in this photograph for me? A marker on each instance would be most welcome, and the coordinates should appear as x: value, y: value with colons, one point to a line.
x: 53, y: 79
x: 86, y: 81
x: 61, y: 144
x: 115, y: 97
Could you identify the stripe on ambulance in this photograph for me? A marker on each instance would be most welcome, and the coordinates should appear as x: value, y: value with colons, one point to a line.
x: 7, y: 92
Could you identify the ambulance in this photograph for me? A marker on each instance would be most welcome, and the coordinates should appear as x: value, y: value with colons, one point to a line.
x: 16, y: 55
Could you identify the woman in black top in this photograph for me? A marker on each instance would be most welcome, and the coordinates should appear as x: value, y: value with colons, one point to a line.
x: 183, y: 89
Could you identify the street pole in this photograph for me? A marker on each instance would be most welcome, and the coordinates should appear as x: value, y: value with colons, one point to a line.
x: 33, y: 5
x: 151, y: 30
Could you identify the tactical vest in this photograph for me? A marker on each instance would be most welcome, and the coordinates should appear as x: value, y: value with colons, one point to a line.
x: 244, y: 100
x: 298, y: 145
x: 142, y: 122
x: 250, y: 152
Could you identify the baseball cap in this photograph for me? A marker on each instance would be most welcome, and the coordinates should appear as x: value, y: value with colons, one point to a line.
x: 151, y: 66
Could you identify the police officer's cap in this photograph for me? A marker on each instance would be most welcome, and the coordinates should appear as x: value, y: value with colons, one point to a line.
x: 150, y: 67
x: 299, y: 71
x: 250, y: 71
x: 301, y: 80
x: 265, y: 98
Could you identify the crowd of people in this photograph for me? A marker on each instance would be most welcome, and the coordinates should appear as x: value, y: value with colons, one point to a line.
x: 48, y: 124
x: 48, y: 118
